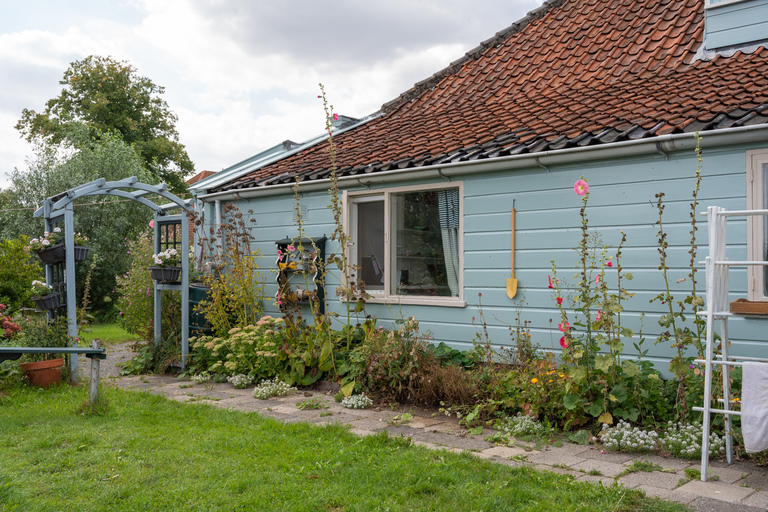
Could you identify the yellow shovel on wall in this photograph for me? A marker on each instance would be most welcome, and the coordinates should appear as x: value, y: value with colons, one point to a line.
x: 512, y: 282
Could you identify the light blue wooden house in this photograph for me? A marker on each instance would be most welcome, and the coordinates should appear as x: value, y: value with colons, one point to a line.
x: 611, y: 90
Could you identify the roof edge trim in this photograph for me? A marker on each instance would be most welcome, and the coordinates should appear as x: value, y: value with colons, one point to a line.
x: 662, y: 144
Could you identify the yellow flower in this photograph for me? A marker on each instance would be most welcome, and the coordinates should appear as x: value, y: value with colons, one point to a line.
x: 534, y: 380
x: 550, y: 380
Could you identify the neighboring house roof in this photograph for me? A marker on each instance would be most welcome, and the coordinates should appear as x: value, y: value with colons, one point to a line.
x: 572, y: 73
x: 200, y: 176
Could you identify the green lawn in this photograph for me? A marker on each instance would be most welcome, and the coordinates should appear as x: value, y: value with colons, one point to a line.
x: 109, y: 334
x: 147, y: 453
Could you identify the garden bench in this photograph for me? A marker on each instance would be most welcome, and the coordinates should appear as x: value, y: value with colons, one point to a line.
x: 95, y: 354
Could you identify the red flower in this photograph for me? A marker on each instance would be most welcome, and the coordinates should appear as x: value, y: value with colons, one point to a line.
x: 559, y: 300
x: 550, y: 282
x: 564, y: 342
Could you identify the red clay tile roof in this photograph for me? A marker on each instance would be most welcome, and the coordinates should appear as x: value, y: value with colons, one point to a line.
x: 200, y: 176
x: 572, y: 73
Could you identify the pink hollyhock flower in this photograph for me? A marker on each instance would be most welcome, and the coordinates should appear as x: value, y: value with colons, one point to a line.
x: 559, y: 300
x: 550, y: 282
x: 564, y: 327
x: 564, y: 342
x: 597, y: 279
x: 608, y: 263
x: 152, y: 223
x: 580, y: 187
x: 291, y: 248
x: 335, y: 117
x: 598, y: 316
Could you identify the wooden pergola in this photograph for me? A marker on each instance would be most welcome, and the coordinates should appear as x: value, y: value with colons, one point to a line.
x: 59, y: 208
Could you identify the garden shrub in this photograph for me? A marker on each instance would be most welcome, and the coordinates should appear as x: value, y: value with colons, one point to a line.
x: 136, y: 295
x: 17, y: 269
x: 251, y: 351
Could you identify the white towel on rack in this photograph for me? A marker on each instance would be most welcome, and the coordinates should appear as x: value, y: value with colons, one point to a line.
x: 754, y: 406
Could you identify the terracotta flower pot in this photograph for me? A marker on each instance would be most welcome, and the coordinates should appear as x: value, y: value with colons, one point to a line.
x: 44, y: 374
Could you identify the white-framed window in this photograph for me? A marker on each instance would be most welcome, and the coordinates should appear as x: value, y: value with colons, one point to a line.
x: 407, y: 243
x: 757, y: 226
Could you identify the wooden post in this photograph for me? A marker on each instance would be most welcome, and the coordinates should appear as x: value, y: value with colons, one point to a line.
x: 95, y: 366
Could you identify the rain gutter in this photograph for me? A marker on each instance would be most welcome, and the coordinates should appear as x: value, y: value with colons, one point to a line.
x: 663, y: 144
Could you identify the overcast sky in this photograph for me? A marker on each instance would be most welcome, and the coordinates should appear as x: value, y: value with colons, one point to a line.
x: 242, y: 75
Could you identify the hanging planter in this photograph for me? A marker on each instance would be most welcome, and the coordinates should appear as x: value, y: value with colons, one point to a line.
x: 81, y: 253
x: 43, y: 374
x: 166, y: 274
x: 53, y: 254
x: 46, y: 302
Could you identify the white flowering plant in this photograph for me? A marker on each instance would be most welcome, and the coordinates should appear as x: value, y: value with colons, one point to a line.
x: 625, y: 438
x: 270, y: 388
x: 48, y: 240
x: 200, y: 378
x: 685, y: 441
x: 522, y: 425
x: 357, y: 402
x: 167, y: 258
x: 39, y: 288
x: 240, y: 381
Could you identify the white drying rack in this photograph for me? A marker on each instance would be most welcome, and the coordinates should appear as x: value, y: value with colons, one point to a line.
x: 717, y: 266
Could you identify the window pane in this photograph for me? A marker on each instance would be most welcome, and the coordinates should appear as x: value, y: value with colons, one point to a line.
x: 418, y: 253
x: 370, y: 244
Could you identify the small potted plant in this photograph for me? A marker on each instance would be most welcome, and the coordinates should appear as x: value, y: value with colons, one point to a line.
x: 81, y: 251
x: 167, y: 267
x: 42, y: 370
x: 49, y: 247
x: 44, y: 297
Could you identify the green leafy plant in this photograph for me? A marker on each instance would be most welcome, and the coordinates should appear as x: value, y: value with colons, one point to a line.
x: 17, y: 270
x: 235, y: 298
x: 312, y: 403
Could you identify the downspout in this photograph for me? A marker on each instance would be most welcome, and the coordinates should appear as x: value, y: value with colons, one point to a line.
x: 217, y: 220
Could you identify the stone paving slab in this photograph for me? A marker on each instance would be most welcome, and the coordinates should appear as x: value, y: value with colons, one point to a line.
x: 505, y: 452
x: 726, y: 475
x: 609, y: 469
x: 756, y: 481
x: 559, y: 471
x: 607, y: 482
x: 666, y: 462
x: 656, y: 479
x: 715, y: 490
x: 616, y: 458
x: 416, y: 434
x: 667, y: 494
x: 758, y: 499
x: 553, y: 457
x: 711, y: 505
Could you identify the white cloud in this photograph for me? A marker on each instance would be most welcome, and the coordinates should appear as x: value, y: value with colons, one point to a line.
x: 243, y: 76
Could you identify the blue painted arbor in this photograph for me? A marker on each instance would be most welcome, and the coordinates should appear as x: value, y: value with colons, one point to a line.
x: 60, y: 207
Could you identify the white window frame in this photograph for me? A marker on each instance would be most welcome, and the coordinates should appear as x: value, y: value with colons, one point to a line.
x: 755, y: 186
x: 351, y: 198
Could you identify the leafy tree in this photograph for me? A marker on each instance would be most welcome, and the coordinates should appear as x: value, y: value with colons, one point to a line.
x: 109, y: 222
x: 109, y: 96
x: 17, y: 271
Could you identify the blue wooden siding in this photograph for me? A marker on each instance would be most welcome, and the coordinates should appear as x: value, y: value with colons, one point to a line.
x: 548, y: 227
x: 736, y: 23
